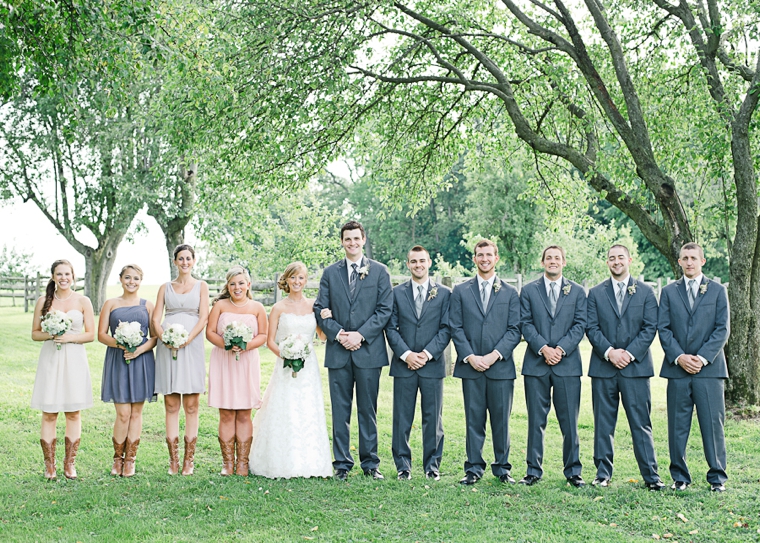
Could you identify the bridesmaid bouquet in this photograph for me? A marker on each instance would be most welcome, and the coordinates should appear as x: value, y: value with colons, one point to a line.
x: 237, y: 334
x: 174, y: 336
x: 129, y: 335
x: 56, y: 323
x: 294, y: 350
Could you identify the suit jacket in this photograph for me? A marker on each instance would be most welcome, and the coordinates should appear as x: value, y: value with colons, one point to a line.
x: 565, y: 329
x: 632, y: 329
x: 701, y: 331
x: 479, y: 332
x: 430, y: 332
x: 367, y: 313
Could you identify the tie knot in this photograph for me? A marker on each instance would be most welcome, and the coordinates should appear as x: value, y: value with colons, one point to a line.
x: 354, y: 266
x: 419, y: 289
x: 691, y: 283
x: 621, y: 285
x: 553, y: 284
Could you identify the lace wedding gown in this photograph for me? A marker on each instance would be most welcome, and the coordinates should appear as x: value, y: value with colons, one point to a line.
x: 289, y: 431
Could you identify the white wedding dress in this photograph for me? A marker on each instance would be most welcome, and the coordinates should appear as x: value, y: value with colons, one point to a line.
x: 290, y: 431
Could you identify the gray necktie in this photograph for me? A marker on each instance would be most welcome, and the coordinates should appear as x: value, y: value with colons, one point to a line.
x: 690, y: 289
x: 620, y: 296
x: 352, y: 280
x: 484, y: 294
x: 553, y: 297
x: 419, y: 300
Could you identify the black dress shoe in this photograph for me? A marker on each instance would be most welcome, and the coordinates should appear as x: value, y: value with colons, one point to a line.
x: 374, y: 473
x: 655, y: 486
x: 604, y: 482
x: 404, y: 475
x: 717, y: 487
x: 530, y: 480
x: 507, y: 478
x: 341, y: 474
x: 577, y: 481
x: 679, y: 486
x: 469, y: 479
x: 434, y: 475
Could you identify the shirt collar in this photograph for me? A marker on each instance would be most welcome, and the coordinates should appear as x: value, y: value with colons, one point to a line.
x: 547, y: 283
x: 698, y: 280
x: 625, y: 280
x: 489, y: 281
x: 358, y: 263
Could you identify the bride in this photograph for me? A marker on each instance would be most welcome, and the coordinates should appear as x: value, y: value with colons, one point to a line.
x: 289, y: 431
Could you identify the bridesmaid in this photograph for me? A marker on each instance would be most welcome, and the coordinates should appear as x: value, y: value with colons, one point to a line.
x: 128, y: 378
x: 233, y: 385
x: 182, y: 380
x: 62, y: 382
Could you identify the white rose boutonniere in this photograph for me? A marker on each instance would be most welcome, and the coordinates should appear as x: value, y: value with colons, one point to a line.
x: 363, y: 271
x: 433, y: 292
x: 496, y: 284
x: 566, y: 289
x: 632, y: 289
x: 703, y: 288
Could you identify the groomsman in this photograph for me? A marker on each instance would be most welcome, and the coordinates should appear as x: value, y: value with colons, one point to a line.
x: 485, y: 326
x: 622, y: 323
x: 358, y: 292
x: 694, y: 326
x: 418, y: 333
x: 553, y: 312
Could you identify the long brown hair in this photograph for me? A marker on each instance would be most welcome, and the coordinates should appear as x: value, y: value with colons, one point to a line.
x: 224, y: 294
x: 50, y: 288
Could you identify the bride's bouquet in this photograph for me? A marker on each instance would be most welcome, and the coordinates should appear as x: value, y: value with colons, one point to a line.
x: 56, y: 323
x: 237, y: 334
x: 174, y: 336
x: 294, y: 350
x: 129, y: 335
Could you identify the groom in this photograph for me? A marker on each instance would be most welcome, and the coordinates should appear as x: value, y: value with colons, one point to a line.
x: 358, y: 292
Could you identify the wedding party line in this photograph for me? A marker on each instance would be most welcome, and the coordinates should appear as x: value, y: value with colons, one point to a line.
x: 366, y: 323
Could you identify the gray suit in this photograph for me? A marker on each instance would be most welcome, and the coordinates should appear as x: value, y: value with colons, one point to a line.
x: 428, y: 332
x: 564, y: 329
x: 701, y: 331
x: 367, y: 313
x: 632, y: 329
x: 479, y: 332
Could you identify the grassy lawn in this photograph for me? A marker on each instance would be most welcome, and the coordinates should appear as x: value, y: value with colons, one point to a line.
x: 153, y: 506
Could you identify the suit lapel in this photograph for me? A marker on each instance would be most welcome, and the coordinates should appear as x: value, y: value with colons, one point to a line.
x: 699, y: 294
x: 493, y: 295
x: 562, y: 296
x: 359, y: 281
x: 344, y: 278
x: 681, y: 287
x: 409, y: 290
x: 427, y: 301
x: 475, y: 291
x: 541, y: 284
x: 610, y: 291
x: 627, y: 296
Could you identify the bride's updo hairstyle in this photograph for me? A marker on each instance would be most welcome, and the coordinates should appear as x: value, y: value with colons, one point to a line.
x: 233, y: 272
x: 292, y: 269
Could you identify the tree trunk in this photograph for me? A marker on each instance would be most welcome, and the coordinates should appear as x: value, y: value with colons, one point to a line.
x: 99, y: 263
x: 172, y: 238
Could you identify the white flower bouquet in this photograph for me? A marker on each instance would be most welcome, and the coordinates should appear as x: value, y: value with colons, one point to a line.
x: 237, y: 334
x: 174, y: 336
x: 129, y: 335
x: 294, y: 350
x: 56, y: 323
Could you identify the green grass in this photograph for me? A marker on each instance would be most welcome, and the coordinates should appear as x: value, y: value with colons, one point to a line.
x: 156, y: 507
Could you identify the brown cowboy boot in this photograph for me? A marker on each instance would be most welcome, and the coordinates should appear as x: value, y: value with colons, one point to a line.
x: 173, y: 445
x: 48, y: 451
x: 118, y: 457
x: 243, y: 449
x: 187, y: 463
x: 228, y: 456
x: 69, y: 461
x: 129, y: 457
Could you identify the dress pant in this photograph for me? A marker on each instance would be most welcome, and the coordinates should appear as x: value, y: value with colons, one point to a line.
x: 367, y: 383
x: 567, y: 400
x: 493, y: 396
x: 431, y: 405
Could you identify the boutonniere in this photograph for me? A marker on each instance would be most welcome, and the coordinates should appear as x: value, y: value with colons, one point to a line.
x: 363, y: 271
x: 496, y: 284
x: 432, y: 293
x: 566, y: 289
x: 632, y: 289
x: 703, y: 288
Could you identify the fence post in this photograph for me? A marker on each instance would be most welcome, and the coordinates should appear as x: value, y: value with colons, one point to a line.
x: 518, y: 276
x: 26, y: 293
x: 277, y: 293
x: 447, y: 281
x: 37, y: 286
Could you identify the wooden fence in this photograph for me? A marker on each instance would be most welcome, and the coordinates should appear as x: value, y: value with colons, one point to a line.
x: 27, y: 288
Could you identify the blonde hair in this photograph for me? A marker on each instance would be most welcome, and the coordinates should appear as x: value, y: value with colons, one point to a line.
x: 135, y: 267
x: 290, y: 271
x: 234, y: 271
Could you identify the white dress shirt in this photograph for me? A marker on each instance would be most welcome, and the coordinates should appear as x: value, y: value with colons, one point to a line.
x: 425, y: 288
x: 625, y: 293
x: 695, y: 292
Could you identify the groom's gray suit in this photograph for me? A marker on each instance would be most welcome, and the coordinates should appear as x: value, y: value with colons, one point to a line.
x: 366, y: 312
x: 702, y: 331
x: 428, y: 332
x: 632, y: 329
x: 480, y: 331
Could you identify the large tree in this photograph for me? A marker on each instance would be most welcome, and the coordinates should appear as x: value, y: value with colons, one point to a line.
x: 631, y: 96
